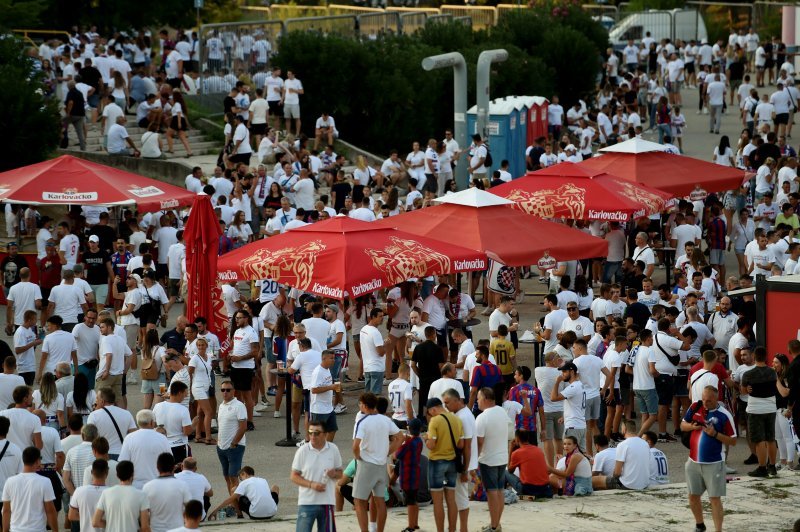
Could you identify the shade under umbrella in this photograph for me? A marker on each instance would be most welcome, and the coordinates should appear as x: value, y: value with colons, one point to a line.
x: 70, y: 180
x: 203, y: 295
x: 503, y: 232
x: 568, y: 190
x: 344, y: 256
x: 675, y: 174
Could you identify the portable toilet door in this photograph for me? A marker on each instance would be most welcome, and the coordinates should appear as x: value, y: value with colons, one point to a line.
x: 498, y: 126
x: 537, y: 117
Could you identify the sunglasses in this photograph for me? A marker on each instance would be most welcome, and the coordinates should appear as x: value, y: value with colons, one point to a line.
x: 314, y: 432
x: 570, y: 309
x: 223, y: 390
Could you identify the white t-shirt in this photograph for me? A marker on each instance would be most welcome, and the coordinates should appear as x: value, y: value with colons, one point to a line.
x: 261, y: 502
x: 306, y: 362
x: 641, y: 356
x: 605, y: 461
x: 114, y: 344
x: 142, y: 447
x: 635, y: 453
x: 228, y: 417
x: 291, y: 98
x: 173, y: 417
x: 198, y: 484
x: 312, y: 464
x: 23, y: 426
x: 374, y: 431
x: 176, y: 254
x: 85, y: 500
x: 590, y: 371
x: 370, y: 339
x: 105, y: 427
x: 581, y: 326
x: 7, y: 385
x: 399, y: 392
x: 545, y: 379
x: 659, y: 468
x: 59, y: 346
x: 553, y: 322
x: 27, y: 493
x: 574, y: 405
x: 127, y: 503
x: 664, y: 345
x: 67, y: 299
x: 612, y: 359
x: 242, y: 340
x: 492, y: 426
x: 24, y: 295
x: 321, y: 403
x: 167, y: 496
x: 26, y: 361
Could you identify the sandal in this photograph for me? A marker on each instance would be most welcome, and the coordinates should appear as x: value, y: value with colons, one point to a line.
x: 211, y: 441
x: 200, y: 440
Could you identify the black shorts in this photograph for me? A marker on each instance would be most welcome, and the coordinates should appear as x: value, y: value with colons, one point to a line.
x: 689, y: 67
x: 175, y: 83
x: 430, y: 183
x: 781, y: 118
x: 144, y: 123
x: 616, y: 398
x: 665, y: 388
x: 761, y: 427
x: 328, y: 421
x: 45, y: 296
x: 242, y: 379
x: 244, y: 505
x: 274, y: 107
x: 410, y: 497
x: 175, y: 126
x: 258, y: 129
x: 240, y: 158
x: 441, y: 337
x: 162, y: 270
x: 681, y: 385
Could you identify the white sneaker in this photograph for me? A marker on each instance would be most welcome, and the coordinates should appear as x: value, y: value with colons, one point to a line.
x: 276, y: 414
x: 340, y: 408
x: 213, y: 423
x: 257, y: 414
x: 260, y: 407
x: 300, y: 443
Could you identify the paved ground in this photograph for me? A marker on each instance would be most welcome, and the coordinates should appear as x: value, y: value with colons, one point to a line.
x: 667, y: 508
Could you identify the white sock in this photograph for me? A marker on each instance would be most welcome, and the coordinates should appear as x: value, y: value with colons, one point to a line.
x: 373, y: 527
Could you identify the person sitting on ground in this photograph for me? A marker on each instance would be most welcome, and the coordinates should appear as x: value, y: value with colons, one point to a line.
x: 659, y: 468
x: 252, y: 496
x: 529, y: 458
x: 632, y: 468
x: 572, y: 475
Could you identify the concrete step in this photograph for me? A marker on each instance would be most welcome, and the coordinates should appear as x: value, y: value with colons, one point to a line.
x: 198, y: 148
x: 96, y: 134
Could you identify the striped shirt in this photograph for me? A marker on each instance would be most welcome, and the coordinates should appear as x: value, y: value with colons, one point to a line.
x: 79, y: 458
x: 517, y: 394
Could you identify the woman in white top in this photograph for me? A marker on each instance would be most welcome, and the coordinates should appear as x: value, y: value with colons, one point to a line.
x: 200, y: 375
x: 400, y: 301
x: 765, y: 177
x: 81, y: 399
x: 179, y: 123
x: 575, y: 475
x: 152, y: 351
x: 239, y: 231
x: 356, y: 317
x: 723, y: 154
x: 151, y: 142
x: 119, y: 90
x: 48, y: 400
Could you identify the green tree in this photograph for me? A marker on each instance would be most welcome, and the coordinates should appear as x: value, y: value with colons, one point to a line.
x: 30, y: 130
x: 20, y: 13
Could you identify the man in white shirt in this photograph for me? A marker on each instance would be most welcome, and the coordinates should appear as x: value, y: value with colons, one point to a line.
x: 304, y: 191
x: 143, y: 447
x: 113, y: 354
x: 67, y: 300
x: 112, y: 422
x: 632, y: 468
x: 58, y: 346
x: 292, y: 89
x: 172, y: 417
x: 28, y: 497
x: 553, y: 321
x: 23, y: 296
x: 198, y: 484
x: 83, y: 501
x: 243, y: 361
x: 167, y: 495
x: 715, y: 99
x: 25, y: 429
x: 493, y: 431
x: 574, y: 398
x: 666, y: 359
x: 643, y: 252
x: 590, y: 371
x: 546, y: 377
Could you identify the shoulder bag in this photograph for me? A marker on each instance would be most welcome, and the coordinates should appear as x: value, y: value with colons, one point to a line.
x: 116, y: 427
x: 460, y: 466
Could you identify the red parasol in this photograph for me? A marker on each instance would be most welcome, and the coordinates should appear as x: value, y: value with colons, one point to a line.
x: 568, y: 190
x: 70, y: 180
x: 491, y: 224
x: 675, y: 174
x: 204, y: 297
x: 345, y: 255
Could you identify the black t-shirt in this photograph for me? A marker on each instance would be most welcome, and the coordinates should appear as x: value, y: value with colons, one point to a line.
x: 172, y: 339
x: 427, y: 356
x: 737, y: 70
x: 639, y: 313
x: 91, y: 76
x: 767, y: 150
x: 762, y: 380
x: 342, y: 189
x: 10, y: 268
x: 5, y: 351
x: 78, y: 103
x: 228, y: 104
x: 96, y: 269
x: 106, y: 234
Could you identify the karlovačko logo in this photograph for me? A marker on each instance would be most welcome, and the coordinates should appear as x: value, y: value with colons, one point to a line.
x: 613, y: 216
x: 369, y: 286
x: 227, y: 275
x: 145, y: 192
x: 169, y: 204
x: 327, y: 291
x: 474, y: 264
x: 71, y: 195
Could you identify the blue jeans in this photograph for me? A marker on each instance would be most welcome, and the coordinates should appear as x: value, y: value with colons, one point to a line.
x: 308, y: 514
x: 663, y: 129
x: 612, y: 269
x: 441, y: 474
x: 373, y: 381
x: 231, y: 460
x: 89, y: 372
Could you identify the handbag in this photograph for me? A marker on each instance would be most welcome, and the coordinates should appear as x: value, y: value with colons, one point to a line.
x: 149, y: 370
x: 460, y: 467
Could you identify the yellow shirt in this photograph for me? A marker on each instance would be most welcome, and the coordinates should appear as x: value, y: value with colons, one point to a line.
x: 504, y: 354
x: 437, y: 429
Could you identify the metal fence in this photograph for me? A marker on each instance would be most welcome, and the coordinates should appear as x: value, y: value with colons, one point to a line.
x: 723, y: 17
x: 231, y: 49
x: 411, y: 22
x: 373, y: 25
x: 482, y: 17
x: 343, y: 25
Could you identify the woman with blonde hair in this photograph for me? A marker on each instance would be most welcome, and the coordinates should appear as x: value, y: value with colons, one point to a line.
x: 48, y: 400
x: 239, y: 230
x: 151, y: 142
x: 120, y: 90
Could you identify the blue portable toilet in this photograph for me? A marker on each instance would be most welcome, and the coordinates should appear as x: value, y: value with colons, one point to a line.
x: 507, y: 133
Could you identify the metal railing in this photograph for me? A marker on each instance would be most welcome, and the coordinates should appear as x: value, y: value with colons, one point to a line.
x: 287, y: 11
x: 373, y: 25
x: 483, y: 17
x: 411, y: 22
x: 42, y: 35
x: 344, y: 25
x: 229, y: 49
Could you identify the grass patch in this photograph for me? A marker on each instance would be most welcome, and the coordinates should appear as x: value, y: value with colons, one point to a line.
x: 672, y: 521
x: 772, y: 491
x: 585, y: 515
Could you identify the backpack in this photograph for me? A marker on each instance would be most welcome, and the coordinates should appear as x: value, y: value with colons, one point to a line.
x: 149, y: 370
x: 488, y: 161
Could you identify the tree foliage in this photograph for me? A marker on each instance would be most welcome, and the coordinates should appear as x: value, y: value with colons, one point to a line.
x: 30, y: 129
x: 382, y: 98
x: 20, y: 13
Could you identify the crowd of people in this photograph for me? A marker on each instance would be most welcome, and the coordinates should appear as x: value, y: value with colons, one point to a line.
x: 636, y: 365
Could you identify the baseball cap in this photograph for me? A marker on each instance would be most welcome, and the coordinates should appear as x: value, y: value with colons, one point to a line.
x: 568, y: 366
x: 334, y: 307
x: 433, y: 402
x: 137, y: 278
x: 94, y: 238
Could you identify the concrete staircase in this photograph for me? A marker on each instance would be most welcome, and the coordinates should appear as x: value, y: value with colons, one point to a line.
x: 199, y: 143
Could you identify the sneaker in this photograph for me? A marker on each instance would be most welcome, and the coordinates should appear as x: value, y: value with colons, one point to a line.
x: 271, y: 390
x: 386, y: 382
x: 257, y: 414
x: 760, y: 472
x: 340, y: 408
x: 700, y: 527
x: 260, y: 407
x: 487, y: 312
x: 729, y: 470
x: 752, y: 459
x: 300, y: 443
x: 250, y: 426
x: 276, y: 414
x: 213, y: 423
x: 772, y: 470
x: 297, y: 436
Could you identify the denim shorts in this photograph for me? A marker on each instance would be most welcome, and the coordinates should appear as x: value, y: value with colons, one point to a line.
x: 492, y: 477
x: 647, y: 401
x: 373, y: 382
x: 231, y: 460
x: 442, y: 474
